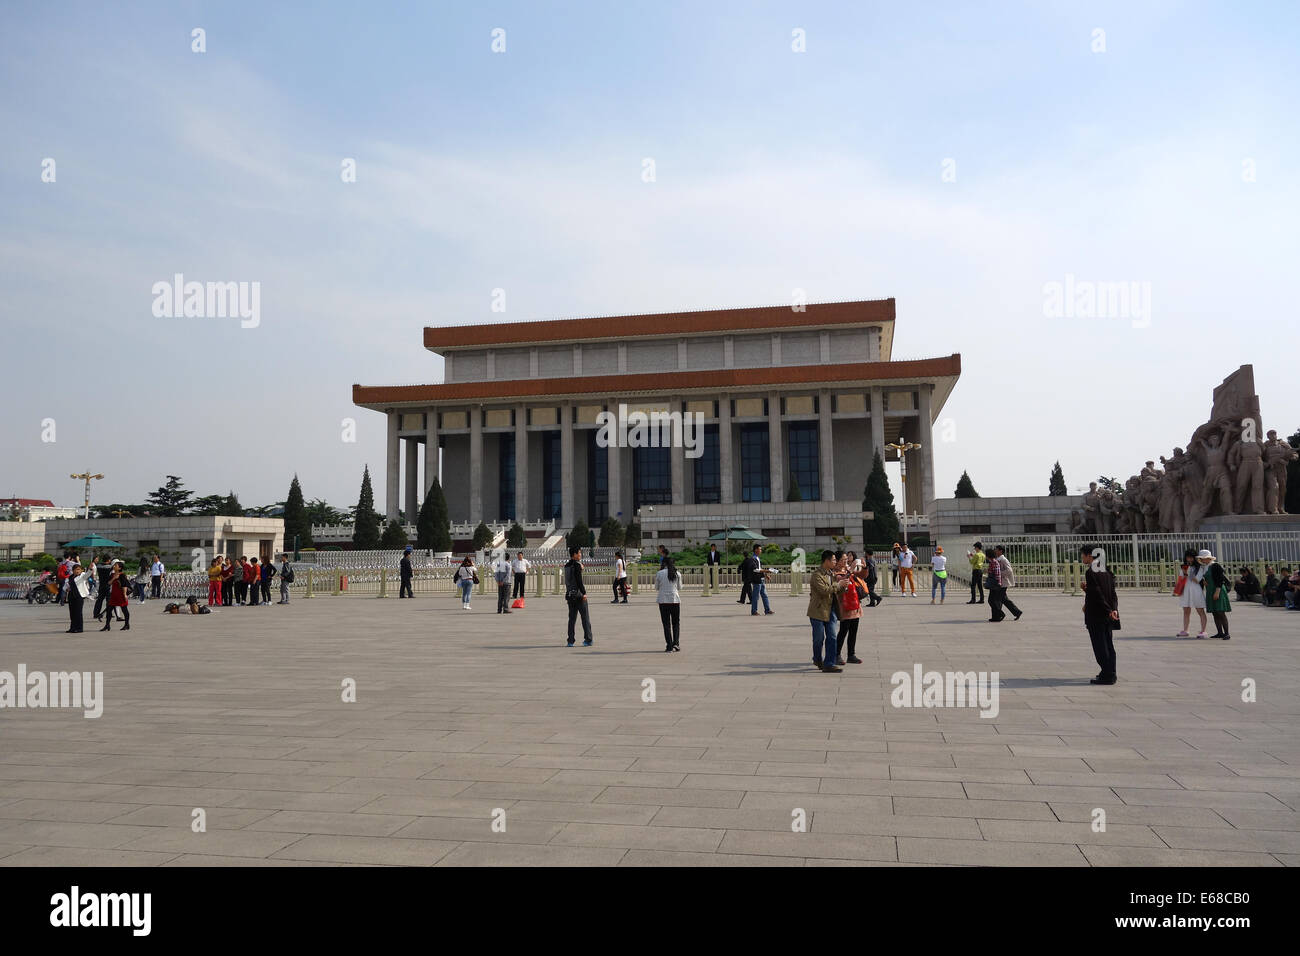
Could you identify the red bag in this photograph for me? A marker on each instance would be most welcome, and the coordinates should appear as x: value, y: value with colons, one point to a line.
x: 517, y: 603
x: 1179, y: 585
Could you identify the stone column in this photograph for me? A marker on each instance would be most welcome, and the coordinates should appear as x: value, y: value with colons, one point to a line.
x: 521, y: 463
x: 475, y: 464
x: 725, y: 468
x: 430, y: 448
x: 926, y: 455
x: 393, y: 475
x: 677, y: 459
x: 614, y: 474
x: 412, y: 502
x: 826, y: 446
x: 877, y: 423
x: 567, y: 514
x: 775, y: 459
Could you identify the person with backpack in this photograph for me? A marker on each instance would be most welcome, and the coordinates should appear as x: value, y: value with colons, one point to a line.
x: 465, y: 578
x: 668, y: 582
x: 286, y: 578
x: 575, y: 595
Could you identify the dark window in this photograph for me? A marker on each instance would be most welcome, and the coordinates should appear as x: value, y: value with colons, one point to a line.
x: 552, y: 476
x: 776, y: 532
x: 829, y: 531
x: 974, y: 529
x: 708, y: 470
x: 755, y: 479
x: 652, y: 477
x: 804, y: 459
x: 597, y: 479
x: 506, y: 483
x: 1048, y: 528
x: 671, y: 533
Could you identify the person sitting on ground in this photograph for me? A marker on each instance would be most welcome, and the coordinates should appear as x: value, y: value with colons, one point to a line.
x: 1247, y: 585
x: 1269, y: 594
x: 1282, y: 590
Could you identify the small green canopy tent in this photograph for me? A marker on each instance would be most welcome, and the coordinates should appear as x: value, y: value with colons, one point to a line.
x: 94, y: 541
x: 737, y: 534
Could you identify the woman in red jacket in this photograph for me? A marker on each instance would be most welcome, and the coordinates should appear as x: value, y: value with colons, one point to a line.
x: 117, y: 598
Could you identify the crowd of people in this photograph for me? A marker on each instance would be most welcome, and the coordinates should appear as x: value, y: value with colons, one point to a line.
x: 246, y: 582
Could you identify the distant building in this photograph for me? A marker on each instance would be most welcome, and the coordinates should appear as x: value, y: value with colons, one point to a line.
x: 176, y: 539
x: 35, y: 509
x: 785, y: 395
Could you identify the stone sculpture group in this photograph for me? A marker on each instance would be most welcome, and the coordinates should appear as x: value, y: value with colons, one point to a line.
x: 1225, y: 470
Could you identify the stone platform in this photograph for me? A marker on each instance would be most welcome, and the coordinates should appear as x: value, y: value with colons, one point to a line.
x: 460, y: 715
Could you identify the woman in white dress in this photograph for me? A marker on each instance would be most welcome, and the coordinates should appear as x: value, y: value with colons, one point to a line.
x: 1193, y: 595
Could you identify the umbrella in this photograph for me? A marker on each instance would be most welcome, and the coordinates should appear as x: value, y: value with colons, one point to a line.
x: 93, y: 540
x: 738, y: 532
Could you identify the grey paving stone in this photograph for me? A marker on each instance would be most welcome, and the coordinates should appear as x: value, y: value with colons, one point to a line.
x: 984, y: 853
x: 1152, y: 856
x: 696, y: 839
x: 515, y: 854
x: 373, y: 851
x: 838, y: 846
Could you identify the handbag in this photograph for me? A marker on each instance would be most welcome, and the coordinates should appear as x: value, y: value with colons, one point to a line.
x: 1179, y: 585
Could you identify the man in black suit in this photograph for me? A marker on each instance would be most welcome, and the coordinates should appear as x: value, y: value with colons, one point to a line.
x: 714, y: 557
x: 746, y: 579
x: 1100, y: 612
x: 407, y: 572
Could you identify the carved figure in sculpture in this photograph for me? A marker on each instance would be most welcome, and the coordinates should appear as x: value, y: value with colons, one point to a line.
x: 1091, y: 508
x: 1076, y: 521
x: 1150, y: 472
x: 1132, y: 513
x: 1246, y: 460
x: 1170, y: 494
x: 1277, y: 454
x: 1193, y: 473
x: 1108, y: 510
x: 1151, y: 507
x: 1218, y: 483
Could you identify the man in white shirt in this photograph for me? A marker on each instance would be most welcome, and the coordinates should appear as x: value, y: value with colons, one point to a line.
x: 520, y: 568
x: 501, y: 574
x: 156, y: 574
x: 906, y: 579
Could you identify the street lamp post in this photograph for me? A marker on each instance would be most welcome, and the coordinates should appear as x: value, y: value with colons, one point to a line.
x: 903, y: 448
x: 87, y: 477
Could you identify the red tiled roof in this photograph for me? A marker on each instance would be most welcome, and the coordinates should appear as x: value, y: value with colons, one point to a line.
x: 712, y: 379
x: 26, y: 502
x: 816, y: 314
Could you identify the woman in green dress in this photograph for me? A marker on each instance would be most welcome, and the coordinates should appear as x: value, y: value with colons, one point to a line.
x: 1216, y: 593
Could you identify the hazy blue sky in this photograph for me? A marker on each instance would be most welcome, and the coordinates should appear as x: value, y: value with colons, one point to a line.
x: 776, y: 170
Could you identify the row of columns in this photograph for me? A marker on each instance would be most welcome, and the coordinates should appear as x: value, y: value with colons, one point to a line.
x: 920, y: 464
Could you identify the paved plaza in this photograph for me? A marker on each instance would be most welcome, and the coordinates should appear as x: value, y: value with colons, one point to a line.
x: 460, y: 715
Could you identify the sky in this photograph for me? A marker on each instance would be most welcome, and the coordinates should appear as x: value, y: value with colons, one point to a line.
x: 957, y: 157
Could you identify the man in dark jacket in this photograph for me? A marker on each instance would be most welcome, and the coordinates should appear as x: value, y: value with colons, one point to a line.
x: 746, y: 570
x: 1100, y: 612
x: 407, y: 573
x: 575, y: 595
x: 104, y: 570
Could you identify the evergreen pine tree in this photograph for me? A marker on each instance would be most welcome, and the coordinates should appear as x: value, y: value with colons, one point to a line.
x: 516, y: 538
x: 1056, y: 484
x: 880, y: 531
x: 231, y: 507
x: 482, y: 536
x: 611, y: 533
x: 365, y: 530
x: 425, y: 524
x: 965, y: 487
x: 296, y: 521
x: 394, y: 538
x: 579, y: 537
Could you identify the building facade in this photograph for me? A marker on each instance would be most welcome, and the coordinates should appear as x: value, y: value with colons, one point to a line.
x: 785, y: 397
x: 181, y: 539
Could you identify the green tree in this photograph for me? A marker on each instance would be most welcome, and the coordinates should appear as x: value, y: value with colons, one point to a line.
x: 794, y: 494
x: 611, y: 533
x: 515, y: 537
x: 1056, y: 484
x: 393, y: 539
x: 632, y: 536
x: 170, y: 500
x: 207, y: 505
x: 482, y: 536
x: 296, y: 521
x: 579, y: 537
x: 880, y: 531
x: 441, y: 535
x: 231, y: 507
x: 320, y: 512
x: 965, y: 487
x: 365, y: 530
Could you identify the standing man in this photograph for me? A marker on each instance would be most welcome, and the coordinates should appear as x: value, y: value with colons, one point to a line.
x: 104, y: 570
x: 822, y: 588
x: 1100, y: 612
x: 157, y: 572
x: 758, y: 584
x: 906, y: 560
x: 746, y: 570
x: 575, y: 595
x: 976, y: 558
x: 520, y: 568
x: 407, y: 573
x: 501, y: 574
x: 713, y: 557
x: 1007, y: 579
x: 227, y: 582
x: 78, y: 591
x: 286, y: 578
